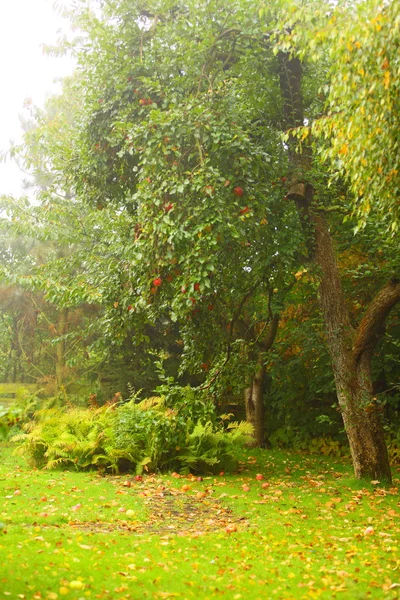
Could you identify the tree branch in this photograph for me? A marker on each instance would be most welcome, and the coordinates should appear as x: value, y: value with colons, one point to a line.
x: 371, y: 326
x: 269, y: 339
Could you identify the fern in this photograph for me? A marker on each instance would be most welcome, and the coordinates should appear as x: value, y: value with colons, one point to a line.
x: 146, y: 436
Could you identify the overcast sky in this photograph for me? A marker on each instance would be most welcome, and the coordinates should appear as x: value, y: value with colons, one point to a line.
x: 25, y: 72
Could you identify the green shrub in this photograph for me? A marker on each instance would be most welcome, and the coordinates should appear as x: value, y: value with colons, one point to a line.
x: 146, y: 436
x: 209, y: 448
x: 393, y: 446
x: 13, y: 416
x: 153, y: 435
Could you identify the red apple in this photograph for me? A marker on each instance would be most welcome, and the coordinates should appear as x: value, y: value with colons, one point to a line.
x: 244, y: 210
x: 238, y: 191
x: 259, y: 477
x: 196, y: 287
x: 157, y: 281
x: 183, y: 289
x: 138, y: 478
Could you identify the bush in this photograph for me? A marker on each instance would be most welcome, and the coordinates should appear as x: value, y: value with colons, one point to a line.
x: 209, y: 448
x: 147, y: 436
x: 13, y: 416
x: 61, y: 436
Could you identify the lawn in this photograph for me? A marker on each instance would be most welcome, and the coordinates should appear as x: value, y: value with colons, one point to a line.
x: 306, y: 530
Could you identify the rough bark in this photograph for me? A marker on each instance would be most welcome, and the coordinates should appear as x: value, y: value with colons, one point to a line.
x: 253, y: 395
x: 350, y: 348
x: 255, y: 410
x: 350, y: 351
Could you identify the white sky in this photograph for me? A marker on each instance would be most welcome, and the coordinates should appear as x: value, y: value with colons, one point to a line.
x: 25, y: 72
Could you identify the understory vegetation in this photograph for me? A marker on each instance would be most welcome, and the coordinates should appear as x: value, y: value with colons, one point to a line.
x: 140, y: 437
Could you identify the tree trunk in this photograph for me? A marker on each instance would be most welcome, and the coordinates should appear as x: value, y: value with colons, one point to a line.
x: 60, y: 349
x: 16, y: 353
x: 351, y: 360
x: 255, y: 410
x: 350, y: 348
x: 253, y: 395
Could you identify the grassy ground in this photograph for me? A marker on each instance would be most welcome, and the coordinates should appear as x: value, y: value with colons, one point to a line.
x: 307, y: 530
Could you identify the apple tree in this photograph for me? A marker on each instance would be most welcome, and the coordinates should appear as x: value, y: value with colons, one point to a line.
x: 181, y: 133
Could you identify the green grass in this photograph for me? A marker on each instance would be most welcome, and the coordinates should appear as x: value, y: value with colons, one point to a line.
x: 304, y: 536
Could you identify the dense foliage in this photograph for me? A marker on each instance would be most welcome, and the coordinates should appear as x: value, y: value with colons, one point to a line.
x: 145, y: 436
x: 169, y: 223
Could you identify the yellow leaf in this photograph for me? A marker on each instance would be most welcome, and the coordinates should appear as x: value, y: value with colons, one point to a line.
x: 386, y: 79
x: 344, y: 149
x: 76, y: 585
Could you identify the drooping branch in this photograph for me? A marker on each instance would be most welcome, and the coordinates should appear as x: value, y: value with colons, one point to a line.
x: 371, y: 326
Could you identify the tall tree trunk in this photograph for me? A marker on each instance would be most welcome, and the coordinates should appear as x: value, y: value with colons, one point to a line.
x: 350, y: 348
x: 255, y: 410
x: 60, y: 349
x: 351, y: 360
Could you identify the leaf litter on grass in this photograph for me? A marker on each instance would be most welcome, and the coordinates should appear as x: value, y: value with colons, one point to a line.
x: 175, y: 511
x: 311, y: 532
